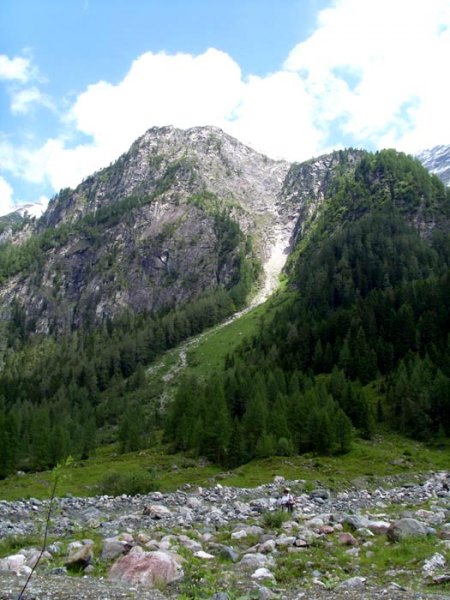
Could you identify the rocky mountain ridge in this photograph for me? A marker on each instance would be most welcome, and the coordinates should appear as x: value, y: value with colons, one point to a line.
x: 175, y: 217
x: 222, y: 541
x: 142, y: 234
x: 437, y: 161
x: 174, y: 163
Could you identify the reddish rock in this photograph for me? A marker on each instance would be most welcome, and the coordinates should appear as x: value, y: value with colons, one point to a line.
x: 147, y: 568
x: 346, y: 539
x: 326, y: 529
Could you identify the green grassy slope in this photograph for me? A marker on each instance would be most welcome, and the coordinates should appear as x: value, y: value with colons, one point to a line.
x: 386, y: 455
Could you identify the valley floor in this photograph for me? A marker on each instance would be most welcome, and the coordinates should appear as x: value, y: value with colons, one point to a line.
x: 388, y: 542
x: 56, y: 588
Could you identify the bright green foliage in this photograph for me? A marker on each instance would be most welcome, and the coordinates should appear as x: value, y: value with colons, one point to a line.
x: 275, y: 519
x: 134, y: 482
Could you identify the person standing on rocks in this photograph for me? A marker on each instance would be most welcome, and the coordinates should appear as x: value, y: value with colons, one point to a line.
x: 287, y: 500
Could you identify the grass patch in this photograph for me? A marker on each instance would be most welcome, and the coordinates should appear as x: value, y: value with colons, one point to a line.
x: 209, y: 353
x: 11, y: 545
x: 402, y: 560
x: 200, y: 580
x: 368, y: 462
x: 330, y: 562
x: 82, y: 478
x: 380, y: 562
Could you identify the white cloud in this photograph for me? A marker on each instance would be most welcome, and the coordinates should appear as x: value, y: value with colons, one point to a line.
x: 380, y: 67
x: 372, y: 72
x: 24, y: 101
x: 159, y: 89
x: 274, y: 116
x: 33, y: 209
x: 15, y: 69
x: 18, y: 73
x: 6, y: 193
x: 271, y: 113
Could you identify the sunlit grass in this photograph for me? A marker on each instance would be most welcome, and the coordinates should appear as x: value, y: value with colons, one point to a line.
x: 387, y: 454
x: 209, y: 354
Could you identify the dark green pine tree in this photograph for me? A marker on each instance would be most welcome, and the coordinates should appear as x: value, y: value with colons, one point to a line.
x: 9, y: 443
x: 132, y: 428
x: 184, y: 412
x: 40, y: 439
x: 216, y: 423
x: 255, y: 418
x: 59, y: 444
x: 236, y: 453
x: 342, y: 431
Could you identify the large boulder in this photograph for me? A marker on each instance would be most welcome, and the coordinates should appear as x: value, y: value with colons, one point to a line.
x: 256, y: 561
x: 113, y: 547
x: 157, y: 511
x: 80, y: 559
x: 407, y: 527
x: 14, y: 563
x: 147, y: 568
x: 319, y: 494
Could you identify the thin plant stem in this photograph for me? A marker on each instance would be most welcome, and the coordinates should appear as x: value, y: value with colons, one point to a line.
x: 44, y: 543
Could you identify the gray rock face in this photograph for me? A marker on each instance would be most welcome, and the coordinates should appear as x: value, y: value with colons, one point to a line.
x: 307, y: 184
x: 141, y: 235
x: 437, y: 161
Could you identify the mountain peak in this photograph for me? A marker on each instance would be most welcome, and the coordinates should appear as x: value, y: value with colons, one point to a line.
x: 437, y: 161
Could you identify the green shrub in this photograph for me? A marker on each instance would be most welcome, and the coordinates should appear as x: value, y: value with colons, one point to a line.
x: 11, y: 545
x: 274, y: 520
x: 132, y: 483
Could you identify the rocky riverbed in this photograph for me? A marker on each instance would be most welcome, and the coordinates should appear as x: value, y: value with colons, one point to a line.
x: 392, y: 541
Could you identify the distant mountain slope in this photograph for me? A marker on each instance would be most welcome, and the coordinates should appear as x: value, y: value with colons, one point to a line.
x: 182, y: 213
x: 437, y: 161
x: 18, y: 217
x: 367, y: 304
x: 171, y: 219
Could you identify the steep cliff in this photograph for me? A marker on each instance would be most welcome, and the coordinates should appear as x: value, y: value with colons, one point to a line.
x: 182, y: 213
x: 173, y: 217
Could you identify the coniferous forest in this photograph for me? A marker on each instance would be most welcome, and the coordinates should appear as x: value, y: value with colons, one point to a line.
x: 360, y: 338
x: 368, y: 309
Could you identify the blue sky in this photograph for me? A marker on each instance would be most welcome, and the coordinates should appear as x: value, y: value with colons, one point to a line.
x: 81, y: 79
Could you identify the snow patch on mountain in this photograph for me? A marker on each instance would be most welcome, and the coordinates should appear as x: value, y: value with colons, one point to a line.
x: 437, y: 161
